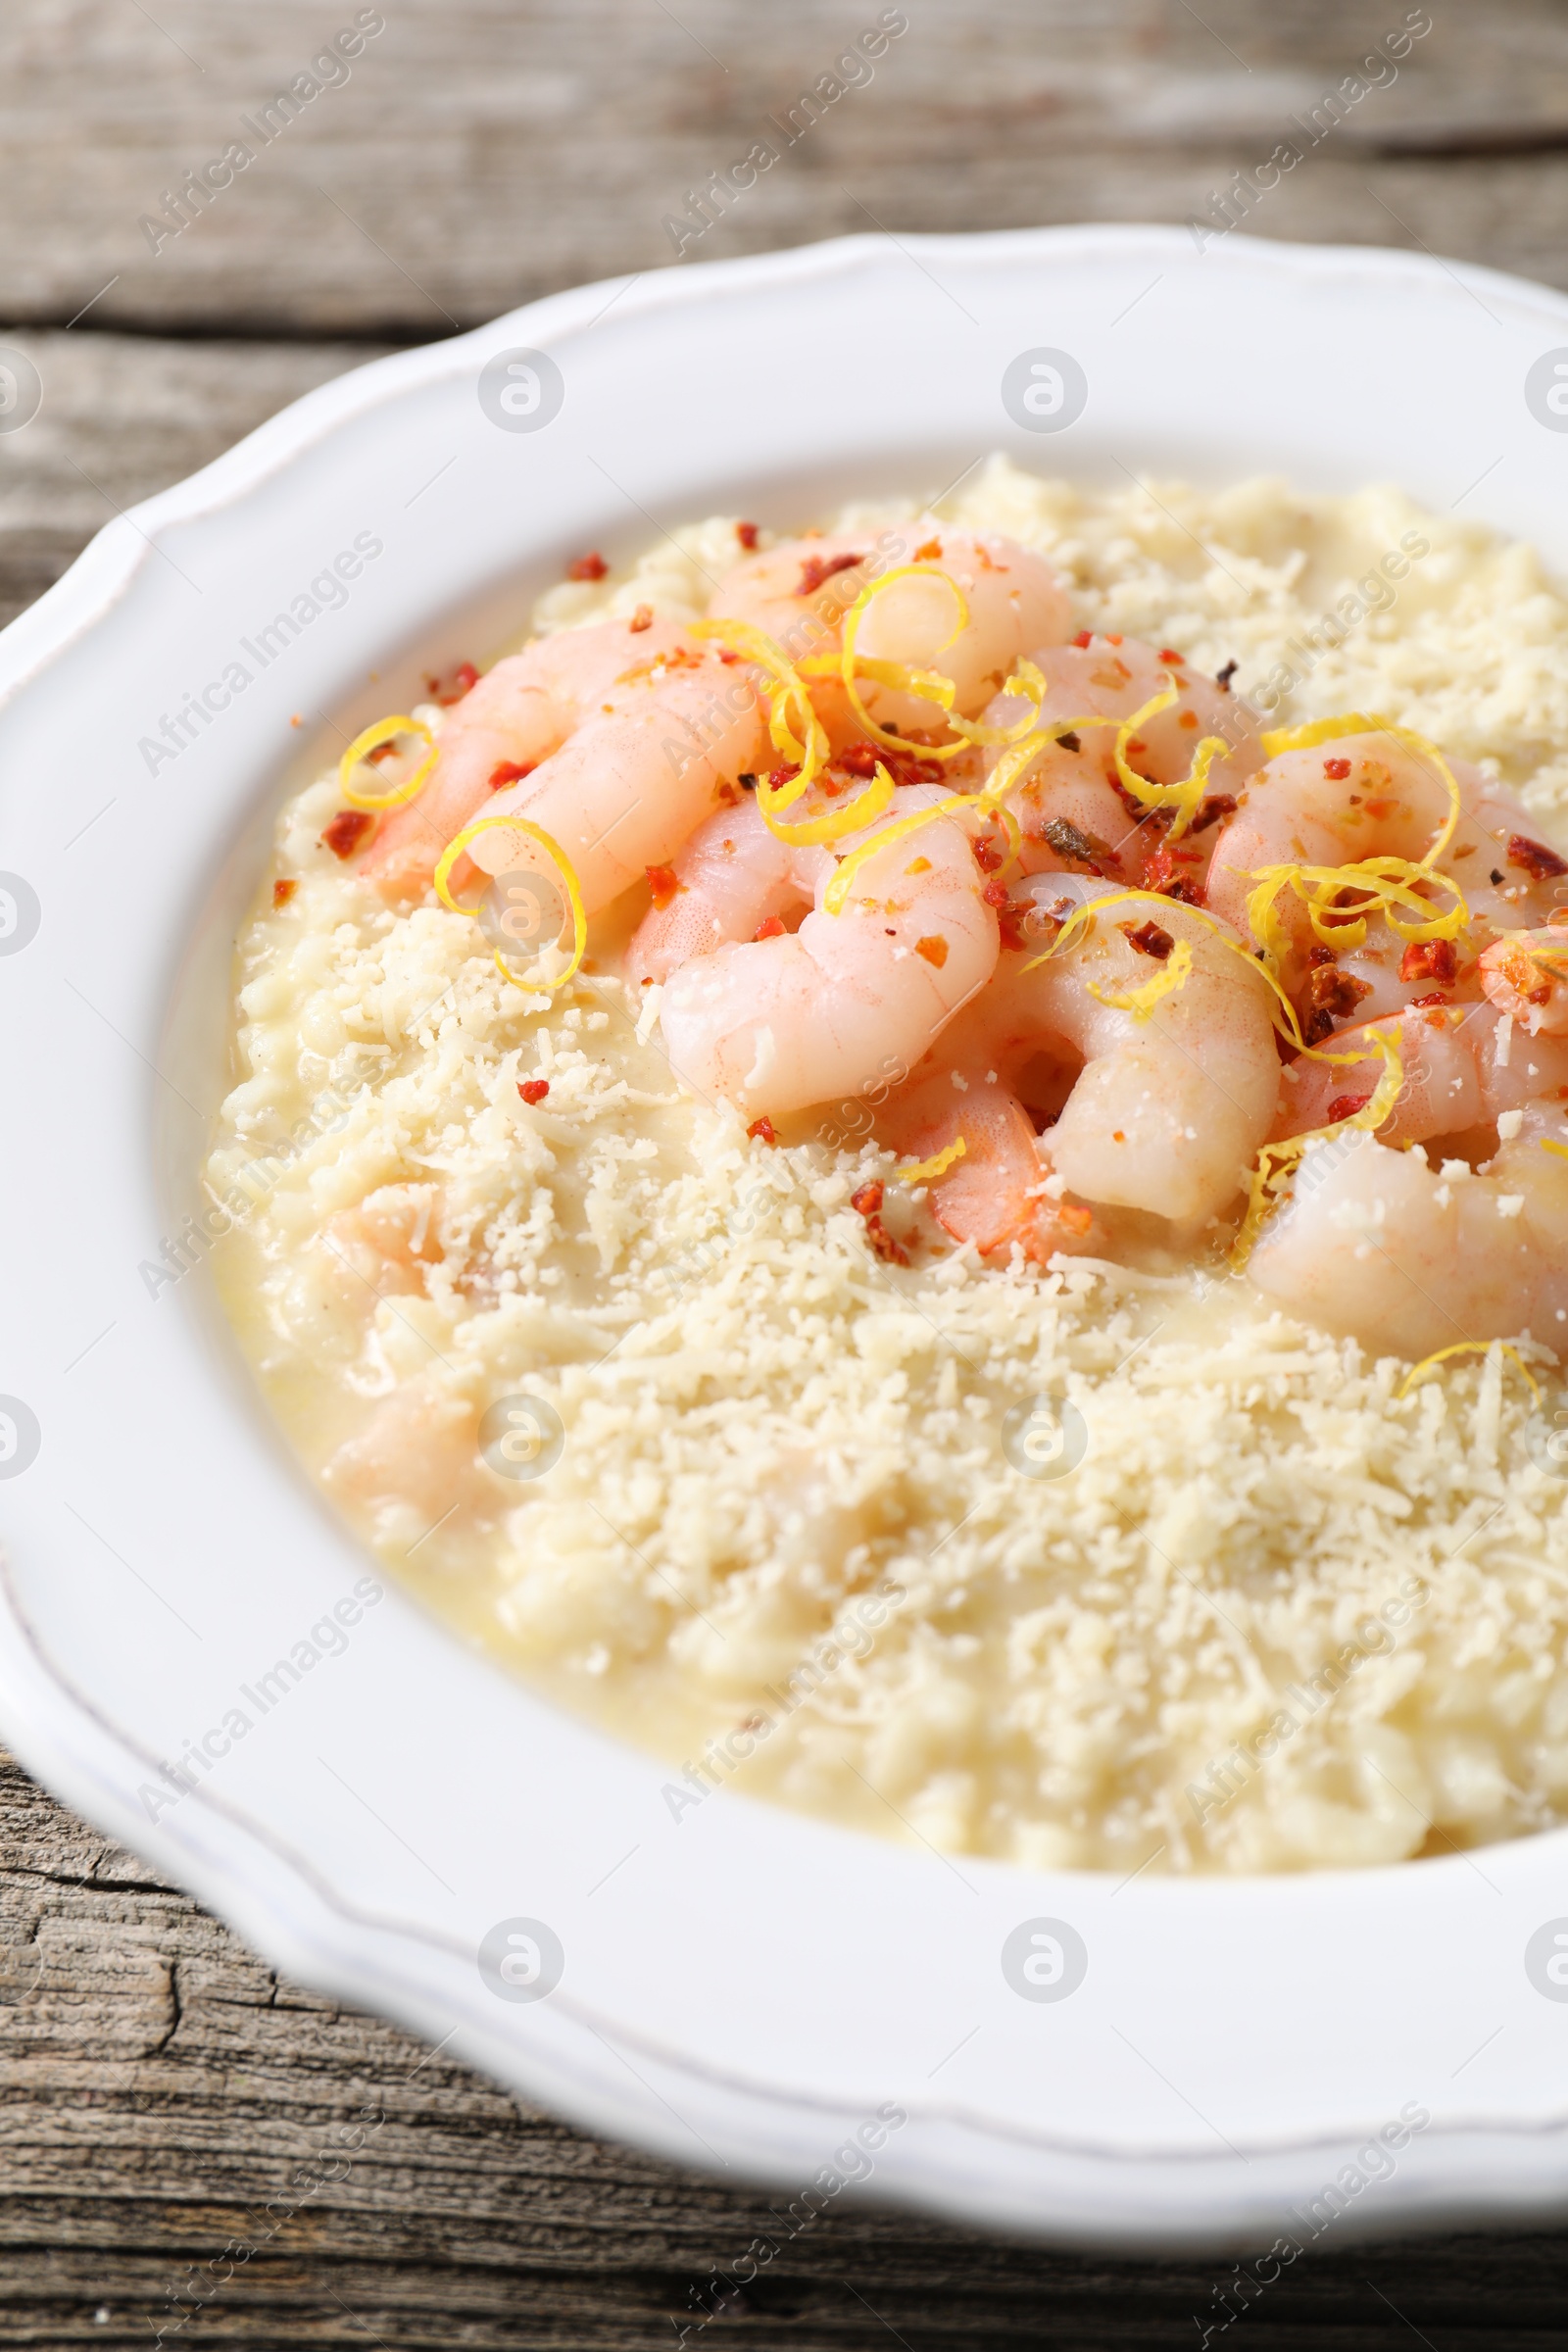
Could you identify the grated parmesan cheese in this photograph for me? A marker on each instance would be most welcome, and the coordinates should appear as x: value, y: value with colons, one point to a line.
x: 784, y: 1542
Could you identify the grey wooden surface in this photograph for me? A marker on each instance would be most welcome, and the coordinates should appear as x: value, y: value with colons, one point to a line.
x: 159, y: 2089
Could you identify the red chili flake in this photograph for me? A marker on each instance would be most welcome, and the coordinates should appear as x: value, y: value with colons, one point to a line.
x: 664, y: 882
x: 817, y: 569
x: 346, y: 831
x: 929, y: 553
x: 1336, y: 992
x: 1135, y: 746
x: 282, y: 891
x: 1211, y: 808
x: 934, y: 949
x: 642, y: 618
x: 1436, y: 998
x: 1346, y: 1106
x: 762, y: 1131
x: 1085, y: 637
x: 989, y: 854
x: 591, y: 567
x: 1318, y: 953
x: 511, y: 771
x: 904, y: 767
x: 450, y: 687
x: 746, y: 533
x: 994, y: 893
x: 869, y: 1202
x: 770, y: 927
x: 534, y: 1090
x: 1162, y: 875
x: 1539, y: 863
x: 1113, y: 640
x: 778, y: 777
x: 882, y: 1242
x: 1148, y: 939
x: 1316, y: 1027
x: 1168, y: 654
x: 1339, y: 769
x: 1430, y: 960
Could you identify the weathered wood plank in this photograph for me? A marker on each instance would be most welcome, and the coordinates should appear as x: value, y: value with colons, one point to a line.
x: 123, y: 417
x: 477, y: 154
x: 168, y: 2105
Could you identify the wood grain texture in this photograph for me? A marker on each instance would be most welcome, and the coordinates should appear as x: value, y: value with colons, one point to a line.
x: 171, y: 2121
x: 486, y: 151
x: 170, y: 2111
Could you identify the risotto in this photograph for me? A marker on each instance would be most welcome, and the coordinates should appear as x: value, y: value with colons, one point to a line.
x: 1009, y: 1298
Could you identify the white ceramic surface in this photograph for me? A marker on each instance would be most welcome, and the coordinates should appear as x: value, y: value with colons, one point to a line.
x: 741, y: 1987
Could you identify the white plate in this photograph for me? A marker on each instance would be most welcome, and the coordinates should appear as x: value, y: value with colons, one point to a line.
x: 741, y: 1987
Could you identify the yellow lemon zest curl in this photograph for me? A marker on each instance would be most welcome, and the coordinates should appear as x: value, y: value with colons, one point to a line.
x: 925, y: 1170
x: 1385, y: 883
x: 1467, y: 1348
x: 1024, y: 753
x: 836, y: 897
x: 1140, y: 1001
x: 1561, y: 1150
x: 385, y: 730
x: 1277, y: 1162
x: 929, y: 685
x: 1185, y: 797
x: 799, y: 737
x: 558, y: 859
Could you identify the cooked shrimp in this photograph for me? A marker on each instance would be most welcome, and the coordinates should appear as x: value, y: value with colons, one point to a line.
x: 1074, y: 811
x: 799, y: 592
x: 635, y: 779
x: 1163, y: 1113
x: 1463, y: 1065
x: 419, y: 1448
x: 807, y: 1017
x: 1370, y: 796
x: 514, y: 718
x: 1525, y: 973
x: 1375, y: 1244
x: 731, y: 876
x: 384, y: 1247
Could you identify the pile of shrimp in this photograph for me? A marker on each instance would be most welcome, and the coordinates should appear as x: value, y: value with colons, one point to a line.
x: 1107, y: 971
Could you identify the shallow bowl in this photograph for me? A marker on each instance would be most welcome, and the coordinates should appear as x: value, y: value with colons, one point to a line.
x: 723, y: 1982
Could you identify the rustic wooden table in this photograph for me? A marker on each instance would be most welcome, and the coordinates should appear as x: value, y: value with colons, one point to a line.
x: 163, y: 2095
